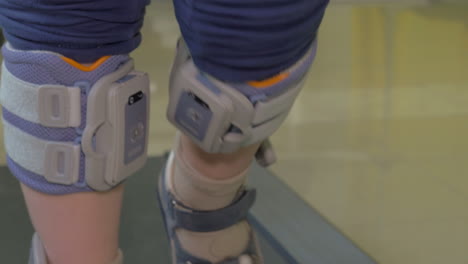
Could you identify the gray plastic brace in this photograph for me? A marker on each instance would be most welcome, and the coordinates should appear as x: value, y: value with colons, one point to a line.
x: 207, y: 109
x: 116, y: 134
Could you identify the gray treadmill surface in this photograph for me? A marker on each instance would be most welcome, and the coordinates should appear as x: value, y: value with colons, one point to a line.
x: 290, y: 231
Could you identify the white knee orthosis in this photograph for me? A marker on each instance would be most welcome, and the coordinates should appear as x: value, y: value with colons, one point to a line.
x: 46, y: 139
x: 113, y: 141
x: 219, y: 117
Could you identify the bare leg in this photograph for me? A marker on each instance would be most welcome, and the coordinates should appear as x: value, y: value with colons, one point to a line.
x: 77, y: 228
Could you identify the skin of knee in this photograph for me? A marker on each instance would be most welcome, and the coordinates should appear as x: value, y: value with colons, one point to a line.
x: 77, y: 228
x: 217, y: 166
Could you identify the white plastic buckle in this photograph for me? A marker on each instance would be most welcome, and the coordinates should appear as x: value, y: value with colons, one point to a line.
x: 62, y: 163
x: 59, y: 106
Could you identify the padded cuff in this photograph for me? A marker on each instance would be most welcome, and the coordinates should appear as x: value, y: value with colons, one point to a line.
x: 45, y: 110
x: 206, y: 221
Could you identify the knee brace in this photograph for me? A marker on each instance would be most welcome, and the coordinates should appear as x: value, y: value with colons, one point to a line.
x: 222, y: 117
x: 71, y: 128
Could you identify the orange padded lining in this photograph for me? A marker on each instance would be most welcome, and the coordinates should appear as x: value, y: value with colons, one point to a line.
x: 84, y: 68
x: 270, y: 81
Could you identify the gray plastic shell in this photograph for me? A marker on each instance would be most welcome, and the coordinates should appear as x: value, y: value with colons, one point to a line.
x: 218, y: 117
x: 106, y: 135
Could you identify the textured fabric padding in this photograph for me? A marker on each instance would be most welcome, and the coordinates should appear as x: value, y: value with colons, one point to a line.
x: 19, y: 97
x: 42, y: 67
x: 39, y: 183
x: 24, y: 149
x: 33, y: 154
x: 45, y: 133
x: 30, y: 101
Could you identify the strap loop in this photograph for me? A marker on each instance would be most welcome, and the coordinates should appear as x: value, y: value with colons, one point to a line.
x: 62, y: 163
x: 210, y: 221
x: 58, y: 162
x: 59, y: 106
x: 54, y: 106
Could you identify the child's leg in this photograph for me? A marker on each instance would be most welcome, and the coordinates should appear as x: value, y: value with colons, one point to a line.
x: 75, y: 222
x: 248, y: 59
x: 76, y: 228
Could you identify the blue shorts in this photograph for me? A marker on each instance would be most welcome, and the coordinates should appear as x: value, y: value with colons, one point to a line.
x: 233, y: 40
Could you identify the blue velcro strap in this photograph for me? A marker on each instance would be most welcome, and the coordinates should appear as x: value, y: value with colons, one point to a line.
x: 210, y: 221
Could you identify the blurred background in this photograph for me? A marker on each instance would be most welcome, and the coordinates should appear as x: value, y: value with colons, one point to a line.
x: 378, y: 140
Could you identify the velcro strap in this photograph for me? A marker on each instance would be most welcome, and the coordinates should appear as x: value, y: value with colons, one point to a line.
x: 210, y: 221
x: 49, y: 105
x: 58, y: 162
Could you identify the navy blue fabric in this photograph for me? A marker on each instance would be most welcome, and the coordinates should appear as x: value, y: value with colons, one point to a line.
x: 84, y: 30
x: 239, y: 40
x: 233, y: 40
